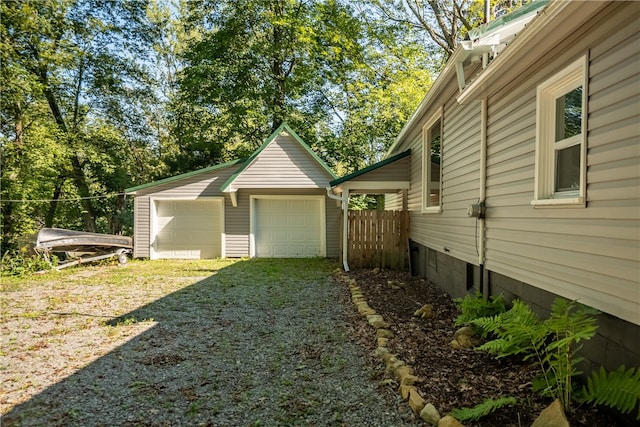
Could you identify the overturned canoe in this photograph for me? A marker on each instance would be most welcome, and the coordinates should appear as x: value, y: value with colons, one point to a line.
x: 62, y: 240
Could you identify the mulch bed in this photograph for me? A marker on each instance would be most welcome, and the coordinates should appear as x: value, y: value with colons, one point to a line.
x: 451, y: 378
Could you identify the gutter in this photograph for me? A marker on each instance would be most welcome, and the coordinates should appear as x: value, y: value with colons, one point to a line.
x: 344, y: 199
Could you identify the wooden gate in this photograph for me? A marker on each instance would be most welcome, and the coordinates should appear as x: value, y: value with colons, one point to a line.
x: 378, y: 239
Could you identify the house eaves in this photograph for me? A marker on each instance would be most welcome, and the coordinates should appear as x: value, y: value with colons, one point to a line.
x: 133, y: 190
x: 481, y: 40
x: 555, y: 22
x: 228, y: 187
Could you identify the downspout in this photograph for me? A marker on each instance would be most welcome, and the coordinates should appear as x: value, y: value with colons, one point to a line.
x: 483, y: 192
x: 344, y: 199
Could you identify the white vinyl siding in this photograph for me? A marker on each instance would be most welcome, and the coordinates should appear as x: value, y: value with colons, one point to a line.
x: 452, y: 228
x: 284, y: 163
x: 590, y: 254
x: 141, y: 227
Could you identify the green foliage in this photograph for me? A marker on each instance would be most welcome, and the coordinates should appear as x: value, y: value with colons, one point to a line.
x: 619, y: 389
x: 21, y: 263
x: 569, y: 324
x: 483, y: 409
x: 475, y: 307
x: 554, y: 342
x: 516, y: 331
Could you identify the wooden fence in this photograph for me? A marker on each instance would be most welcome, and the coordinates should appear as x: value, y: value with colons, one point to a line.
x: 378, y: 239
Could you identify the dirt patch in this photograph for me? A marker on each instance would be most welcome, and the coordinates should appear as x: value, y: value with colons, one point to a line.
x: 450, y: 378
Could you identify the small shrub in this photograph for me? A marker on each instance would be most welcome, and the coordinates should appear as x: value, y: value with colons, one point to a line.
x: 475, y: 307
x: 483, y: 409
x: 21, y: 263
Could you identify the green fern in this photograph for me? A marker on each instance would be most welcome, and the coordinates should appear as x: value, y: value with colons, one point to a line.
x: 569, y: 324
x: 554, y: 343
x: 475, y: 307
x: 483, y: 409
x: 517, y: 331
x: 618, y: 389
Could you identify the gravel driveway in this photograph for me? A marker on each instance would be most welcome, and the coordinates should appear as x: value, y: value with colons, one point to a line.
x: 160, y: 343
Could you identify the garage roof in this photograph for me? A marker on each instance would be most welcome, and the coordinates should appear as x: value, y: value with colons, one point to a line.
x: 133, y: 190
x: 385, y: 176
x: 315, y: 163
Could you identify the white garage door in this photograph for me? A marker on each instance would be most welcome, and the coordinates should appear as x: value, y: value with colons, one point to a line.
x: 188, y: 229
x: 289, y: 228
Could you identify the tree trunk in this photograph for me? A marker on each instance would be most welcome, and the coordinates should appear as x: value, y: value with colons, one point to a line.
x: 88, y: 214
x: 53, y: 205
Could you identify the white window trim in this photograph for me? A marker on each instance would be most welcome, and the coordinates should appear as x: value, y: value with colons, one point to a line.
x: 426, y: 162
x: 576, y: 74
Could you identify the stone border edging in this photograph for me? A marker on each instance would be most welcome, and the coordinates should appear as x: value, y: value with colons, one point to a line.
x: 402, y: 372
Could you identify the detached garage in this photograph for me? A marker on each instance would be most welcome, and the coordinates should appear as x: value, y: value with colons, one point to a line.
x: 271, y: 205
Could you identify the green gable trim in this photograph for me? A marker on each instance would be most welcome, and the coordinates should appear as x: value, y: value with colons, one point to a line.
x: 282, y: 128
x: 505, y: 19
x: 183, y: 176
x: 373, y: 167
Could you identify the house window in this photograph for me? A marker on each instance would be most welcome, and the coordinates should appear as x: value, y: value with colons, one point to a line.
x: 431, y: 160
x: 561, y: 136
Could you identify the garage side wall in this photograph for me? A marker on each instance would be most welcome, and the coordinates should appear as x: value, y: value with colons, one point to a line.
x: 141, y: 227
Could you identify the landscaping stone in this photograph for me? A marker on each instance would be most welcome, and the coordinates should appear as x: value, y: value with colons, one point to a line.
x: 449, y: 421
x: 409, y: 380
x: 430, y: 414
x: 364, y: 309
x: 465, y: 330
x: 382, y: 342
x: 377, y: 321
x: 394, y: 364
x: 552, y: 416
x: 403, y: 371
x: 416, y: 401
x: 405, y: 390
x: 466, y: 341
x: 426, y: 311
x: 455, y: 345
x: 384, y: 354
x: 384, y: 333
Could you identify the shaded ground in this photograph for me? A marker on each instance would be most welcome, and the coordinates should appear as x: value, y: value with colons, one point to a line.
x: 452, y: 378
x: 187, y: 343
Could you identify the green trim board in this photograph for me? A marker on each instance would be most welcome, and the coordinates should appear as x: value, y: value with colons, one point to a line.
x: 373, y: 167
x: 183, y: 176
x: 282, y: 128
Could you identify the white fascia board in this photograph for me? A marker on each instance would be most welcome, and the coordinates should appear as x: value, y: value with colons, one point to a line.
x: 372, y: 186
